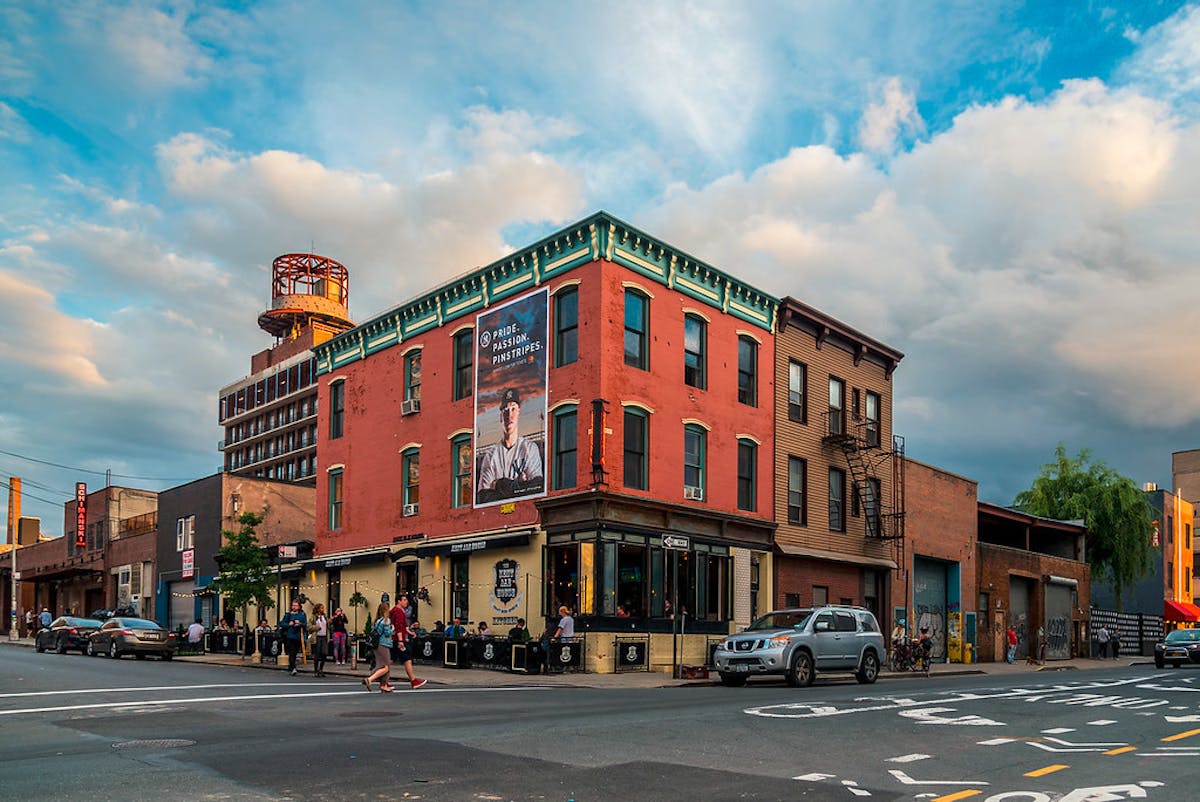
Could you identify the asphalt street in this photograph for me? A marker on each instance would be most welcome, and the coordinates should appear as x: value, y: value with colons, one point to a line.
x: 74, y: 726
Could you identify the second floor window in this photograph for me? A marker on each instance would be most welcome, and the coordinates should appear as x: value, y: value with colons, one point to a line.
x: 747, y: 371
x: 460, y: 457
x: 694, y: 335
x: 636, y: 429
x: 335, y: 500
x: 837, y: 405
x: 837, y: 500
x: 337, y: 409
x: 797, y: 394
x: 746, y: 475
x: 566, y: 327
x: 797, y: 491
x: 412, y: 376
x: 464, y: 363
x: 637, y: 325
x: 565, y: 449
x: 411, y: 470
x: 872, y: 426
x: 693, y: 456
x: 185, y: 533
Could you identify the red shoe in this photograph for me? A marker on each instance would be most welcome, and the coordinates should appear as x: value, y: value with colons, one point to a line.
x: 417, y: 683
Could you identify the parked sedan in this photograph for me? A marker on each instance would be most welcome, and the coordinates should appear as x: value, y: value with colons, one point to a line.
x: 1179, y: 647
x: 136, y: 636
x: 66, y: 633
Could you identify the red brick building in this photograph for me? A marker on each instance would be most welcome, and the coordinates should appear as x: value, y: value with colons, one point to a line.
x: 655, y: 420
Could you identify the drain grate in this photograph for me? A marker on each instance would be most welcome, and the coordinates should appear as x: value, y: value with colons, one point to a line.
x: 369, y: 714
x: 158, y: 743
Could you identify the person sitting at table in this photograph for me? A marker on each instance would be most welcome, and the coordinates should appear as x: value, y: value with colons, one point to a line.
x: 622, y: 612
x: 456, y: 630
x: 483, y: 630
x: 520, y: 633
x: 439, y: 628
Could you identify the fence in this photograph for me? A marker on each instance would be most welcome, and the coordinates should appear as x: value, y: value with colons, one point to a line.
x: 1137, y: 632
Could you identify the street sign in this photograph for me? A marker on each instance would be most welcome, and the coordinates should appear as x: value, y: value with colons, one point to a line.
x: 287, y: 552
x: 189, y: 564
x: 17, y: 576
x: 677, y: 542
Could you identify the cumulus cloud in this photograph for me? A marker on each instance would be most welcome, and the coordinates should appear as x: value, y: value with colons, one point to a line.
x: 1167, y: 62
x: 891, y: 113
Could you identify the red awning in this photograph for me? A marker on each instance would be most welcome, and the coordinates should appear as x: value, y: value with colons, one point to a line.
x: 1180, y: 611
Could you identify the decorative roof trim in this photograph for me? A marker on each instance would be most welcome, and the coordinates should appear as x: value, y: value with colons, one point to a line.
x: 598, y: 237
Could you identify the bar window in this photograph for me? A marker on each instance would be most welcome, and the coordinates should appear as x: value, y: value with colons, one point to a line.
x: 335, y: 500
x: 565, y: 448
x: 837, y: 500
x: 695, y: 335
x: 637, y: 311
x: 747, y: 371
x: 746, y: 478
x: 797, y: 392
x: 797, y: 491
x: 636, y: 424
x: 337, y: 409
x: 464, y: 363
x: 566, y: 327
x: 460, y: 457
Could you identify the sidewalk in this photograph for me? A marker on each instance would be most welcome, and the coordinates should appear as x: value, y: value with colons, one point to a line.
x: 439, y: 675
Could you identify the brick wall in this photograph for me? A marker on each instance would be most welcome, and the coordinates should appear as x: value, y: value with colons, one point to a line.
x: 799, y: 576
x: 941, y: 522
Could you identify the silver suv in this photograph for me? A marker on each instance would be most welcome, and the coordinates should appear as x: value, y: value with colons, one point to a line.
x: 799, y: 643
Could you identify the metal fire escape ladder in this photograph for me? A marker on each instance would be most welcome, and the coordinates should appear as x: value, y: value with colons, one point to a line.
x: 885, y: 518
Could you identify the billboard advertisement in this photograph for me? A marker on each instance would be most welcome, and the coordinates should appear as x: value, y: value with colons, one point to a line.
x: 511, y: 374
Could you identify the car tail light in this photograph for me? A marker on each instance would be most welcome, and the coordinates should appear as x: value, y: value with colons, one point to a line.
x: 72, y: 630
x: 127, y: 632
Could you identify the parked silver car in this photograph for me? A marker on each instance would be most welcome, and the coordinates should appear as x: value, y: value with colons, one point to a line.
x: 801, y: 643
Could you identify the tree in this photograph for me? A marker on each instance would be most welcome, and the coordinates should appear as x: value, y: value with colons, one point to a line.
x: 244, y: 571
x: 1117, y: 514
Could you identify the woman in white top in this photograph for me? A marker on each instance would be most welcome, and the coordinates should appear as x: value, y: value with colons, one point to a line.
x: 320, y: 626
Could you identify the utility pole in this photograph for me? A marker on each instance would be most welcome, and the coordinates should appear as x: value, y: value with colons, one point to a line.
x: 14, y: 523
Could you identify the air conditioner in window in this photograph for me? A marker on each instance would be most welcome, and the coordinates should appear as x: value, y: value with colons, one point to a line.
x: 693, y: 493
x: 409, y: 510
x: 410, y: 405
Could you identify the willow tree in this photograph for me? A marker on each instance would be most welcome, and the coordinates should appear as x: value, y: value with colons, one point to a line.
x: 1117, y: 514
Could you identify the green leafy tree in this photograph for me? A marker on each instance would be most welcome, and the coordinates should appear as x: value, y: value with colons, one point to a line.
x: 244, y: 576
x: 1118, y: 517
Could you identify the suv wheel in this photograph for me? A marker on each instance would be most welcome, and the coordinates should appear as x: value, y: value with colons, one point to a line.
x: 801, y: 674
x: 868, y: 672
x: 733, y: 680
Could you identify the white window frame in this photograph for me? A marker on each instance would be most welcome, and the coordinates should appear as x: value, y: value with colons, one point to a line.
x: 185, y: 533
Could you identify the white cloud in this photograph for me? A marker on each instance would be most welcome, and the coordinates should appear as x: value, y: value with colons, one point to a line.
x: 891, y: 112
x: 1167, y: 62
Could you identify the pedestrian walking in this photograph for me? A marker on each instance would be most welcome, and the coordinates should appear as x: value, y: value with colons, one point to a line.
x: 45, y: 619
x: 1102, y: 641
x: 1114, y: 641
x: 294, y: 625
x: 1011, y: 637
x: 384, y: 633
x: 337, y: 625
x: 28, y: 622
x: 320, y: 628
x: 402, y: 629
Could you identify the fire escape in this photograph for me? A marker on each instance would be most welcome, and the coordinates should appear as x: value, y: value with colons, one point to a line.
x: 868, y: 459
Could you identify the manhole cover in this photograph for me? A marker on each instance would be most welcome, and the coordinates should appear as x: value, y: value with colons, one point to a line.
x: 160, y: 743
x: 369, y: 714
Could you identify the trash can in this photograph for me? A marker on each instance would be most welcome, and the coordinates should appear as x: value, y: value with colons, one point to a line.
x: 969, y: 653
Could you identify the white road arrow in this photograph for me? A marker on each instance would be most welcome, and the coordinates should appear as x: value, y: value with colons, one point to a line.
x: 929, y: 716
x: 904, y: 778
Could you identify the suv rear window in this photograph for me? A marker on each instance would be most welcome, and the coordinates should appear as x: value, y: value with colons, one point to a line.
x: 867, y: 622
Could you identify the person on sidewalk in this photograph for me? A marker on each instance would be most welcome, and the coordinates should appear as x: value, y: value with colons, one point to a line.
x: 320, y: 630
x: 566, y: 624
x: 1011, y: 638
x: 456, y: 629
x: 28, y: 622
x: 195, y: 634
x: 338, y: 625
x: 294, y: 625
x: 1114, y: 641
x: 398, y: 616
x: 45, y: 619
x: 1102, y: 641
x: 520, y: 633
x: 384, y: 633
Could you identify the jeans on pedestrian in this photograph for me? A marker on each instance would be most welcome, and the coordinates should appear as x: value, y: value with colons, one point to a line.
x: 319, y: 652
x: 339, y: 647
x: 292, y: 646
x: 1012, y: 654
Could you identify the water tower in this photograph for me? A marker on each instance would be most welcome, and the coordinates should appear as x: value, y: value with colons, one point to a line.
x: 307, y: 291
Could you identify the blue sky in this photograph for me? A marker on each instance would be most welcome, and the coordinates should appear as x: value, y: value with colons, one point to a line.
x: 1003, y: 191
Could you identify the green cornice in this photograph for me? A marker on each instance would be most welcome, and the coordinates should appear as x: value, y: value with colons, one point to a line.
x: 600, y: 236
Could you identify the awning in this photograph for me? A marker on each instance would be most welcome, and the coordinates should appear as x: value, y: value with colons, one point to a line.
x: 360, y: 557
x: 1180, y: 611
x: 470, y: 545
x: 833, y: 556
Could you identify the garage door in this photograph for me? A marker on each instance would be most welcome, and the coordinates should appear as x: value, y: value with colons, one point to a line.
x: 183, y: 604
x: 929, y: 595
x: 1058, y: 621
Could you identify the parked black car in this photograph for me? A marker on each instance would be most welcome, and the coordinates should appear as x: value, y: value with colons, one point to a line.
x: 67, y: 632
x: 136, y: 636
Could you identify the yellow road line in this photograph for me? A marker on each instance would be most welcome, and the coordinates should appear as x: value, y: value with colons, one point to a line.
x: 1182, y: 735
x: 1121, y: 750
x: 1047, y: 770
x: 957, y: 795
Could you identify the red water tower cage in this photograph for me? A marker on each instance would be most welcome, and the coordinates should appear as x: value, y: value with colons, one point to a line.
x: 307, y: 290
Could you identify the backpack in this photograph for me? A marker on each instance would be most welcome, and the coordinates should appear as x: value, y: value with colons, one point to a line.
x: 373, y: 637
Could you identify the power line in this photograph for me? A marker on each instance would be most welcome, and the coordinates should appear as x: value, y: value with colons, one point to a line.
x: 100, y: 473
x: 38, y: 485
x: 30, y: 495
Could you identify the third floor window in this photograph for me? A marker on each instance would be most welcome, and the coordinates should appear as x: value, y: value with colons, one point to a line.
x: 747, y: 371
x: 637, y: 327
x: 694, y: 336
x: 464, y: 363
x: 797, y: 392
x: 337, y: 409
x: 412, y: 376
x: 837, y: 405
x: 566, y: 327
